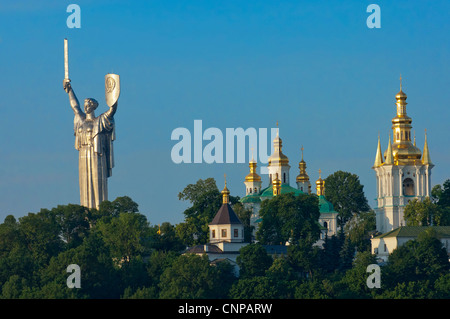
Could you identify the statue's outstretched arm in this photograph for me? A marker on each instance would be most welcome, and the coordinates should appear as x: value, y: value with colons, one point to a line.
x: 72, y: 98
x: 112, y: 110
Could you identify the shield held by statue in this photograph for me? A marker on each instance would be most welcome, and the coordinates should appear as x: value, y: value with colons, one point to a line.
x: 112, y: 88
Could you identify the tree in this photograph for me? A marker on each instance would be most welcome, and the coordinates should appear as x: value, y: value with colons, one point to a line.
x: 442, y: 287
x: 244, y: 216
x: 440, y: 195
x: 345, y: 192
x: 358, y: 229
x: 304, y: 257
x: 410, y: 290
x: 158, y: 262
x: 14, y: 288
x: 164, y: 237
x: 40, y: 233
x: 422, y: 259
x: 289, y: 218
x: 258, y: 287
x: 185, y: 232
x: 253, y: 260
x: 284, y: 277
x: 122, y: 204
x: 73, y: 221
x: 15, y: 255
x: 313, y: 289
x: 190, y: 277
x: 329, y: 258
x: 354, y: 283
x: 99, y: 278
x: 126, y: 235
x: 206, y: 201
x: 193, y: 192
x: 422, y: 213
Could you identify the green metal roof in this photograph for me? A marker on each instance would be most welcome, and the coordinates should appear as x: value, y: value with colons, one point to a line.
x: 285, y: 189
x: 325, y: 207
x: 414, y: 231
x: 253, y: 198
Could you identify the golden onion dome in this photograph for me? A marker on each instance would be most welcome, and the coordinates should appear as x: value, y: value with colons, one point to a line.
x: 401, y: 95
x: 302, y: 177
x: 252, y: 176
x: 320, y: 185
x: 402, y: 152
x: 225, y: 192
x: 278, y: 157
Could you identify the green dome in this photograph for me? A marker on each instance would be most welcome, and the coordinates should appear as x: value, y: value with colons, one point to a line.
x: 285, y: 189
x: 325, y: 206
x: 253, y: 198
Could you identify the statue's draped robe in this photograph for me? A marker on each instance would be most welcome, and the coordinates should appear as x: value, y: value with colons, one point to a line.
x: 94, y: 142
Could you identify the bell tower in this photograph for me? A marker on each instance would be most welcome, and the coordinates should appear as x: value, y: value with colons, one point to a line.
x: 402, y: 172
x: 302, y: 179
x: 278, y: 163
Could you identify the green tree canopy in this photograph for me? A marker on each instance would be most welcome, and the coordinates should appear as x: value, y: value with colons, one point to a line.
x: 422, y: 213
x: 127, y: 235
x: 289, y: 218
x: 244, y: 216
x: 440, y: 195
x: 164, y: 237
x: 192, y: 277
x: 73, y: 221
x: 359, y: 229
x: 345, y: 192
x: 422, y: 259
x: 354, y: 283
x: 259, y: 287
x: 253, y: 260
x: 40, y: 233
x: 206, y: 200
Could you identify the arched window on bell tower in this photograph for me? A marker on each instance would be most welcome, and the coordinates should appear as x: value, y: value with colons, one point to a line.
x: 408, y: 187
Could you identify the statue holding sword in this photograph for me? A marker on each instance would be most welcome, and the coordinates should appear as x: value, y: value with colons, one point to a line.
x: 94, y: 138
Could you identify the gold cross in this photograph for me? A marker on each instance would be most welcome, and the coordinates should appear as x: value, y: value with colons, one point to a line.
x: 400, y: 81
x: 320, y: 172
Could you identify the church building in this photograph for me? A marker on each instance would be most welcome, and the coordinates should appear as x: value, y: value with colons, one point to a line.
x: 403, y: 171
x: 279, y: 183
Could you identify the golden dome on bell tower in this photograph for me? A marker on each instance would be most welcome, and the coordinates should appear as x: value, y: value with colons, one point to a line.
x: 276, y: 185
x: 403, y: 150
x: 303, y: 176
x: 252, y: 176
x: 278, y: 158
x: 320, y: 185
x: 225, y: 192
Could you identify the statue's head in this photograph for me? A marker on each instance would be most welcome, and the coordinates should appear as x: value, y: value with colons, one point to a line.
x: 90, y: 105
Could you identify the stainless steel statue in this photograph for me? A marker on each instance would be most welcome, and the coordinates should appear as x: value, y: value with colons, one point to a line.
x: 94, y: 138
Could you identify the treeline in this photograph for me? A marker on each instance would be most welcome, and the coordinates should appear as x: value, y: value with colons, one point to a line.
x: 121, y: 255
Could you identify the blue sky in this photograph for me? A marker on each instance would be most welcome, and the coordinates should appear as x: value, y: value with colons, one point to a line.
x: 313, y: 66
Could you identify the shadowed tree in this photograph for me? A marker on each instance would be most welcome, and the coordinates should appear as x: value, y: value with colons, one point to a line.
x: 346, y: 193
x: 289, y: 218
x: 206, y: 200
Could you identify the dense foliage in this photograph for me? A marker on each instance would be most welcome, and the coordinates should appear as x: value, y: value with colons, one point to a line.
x: 121, y: 255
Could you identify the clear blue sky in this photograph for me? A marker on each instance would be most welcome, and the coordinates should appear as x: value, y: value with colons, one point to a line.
x: 314, y: 66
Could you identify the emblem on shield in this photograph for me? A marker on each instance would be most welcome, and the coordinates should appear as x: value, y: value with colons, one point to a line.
x: 112, y: 88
